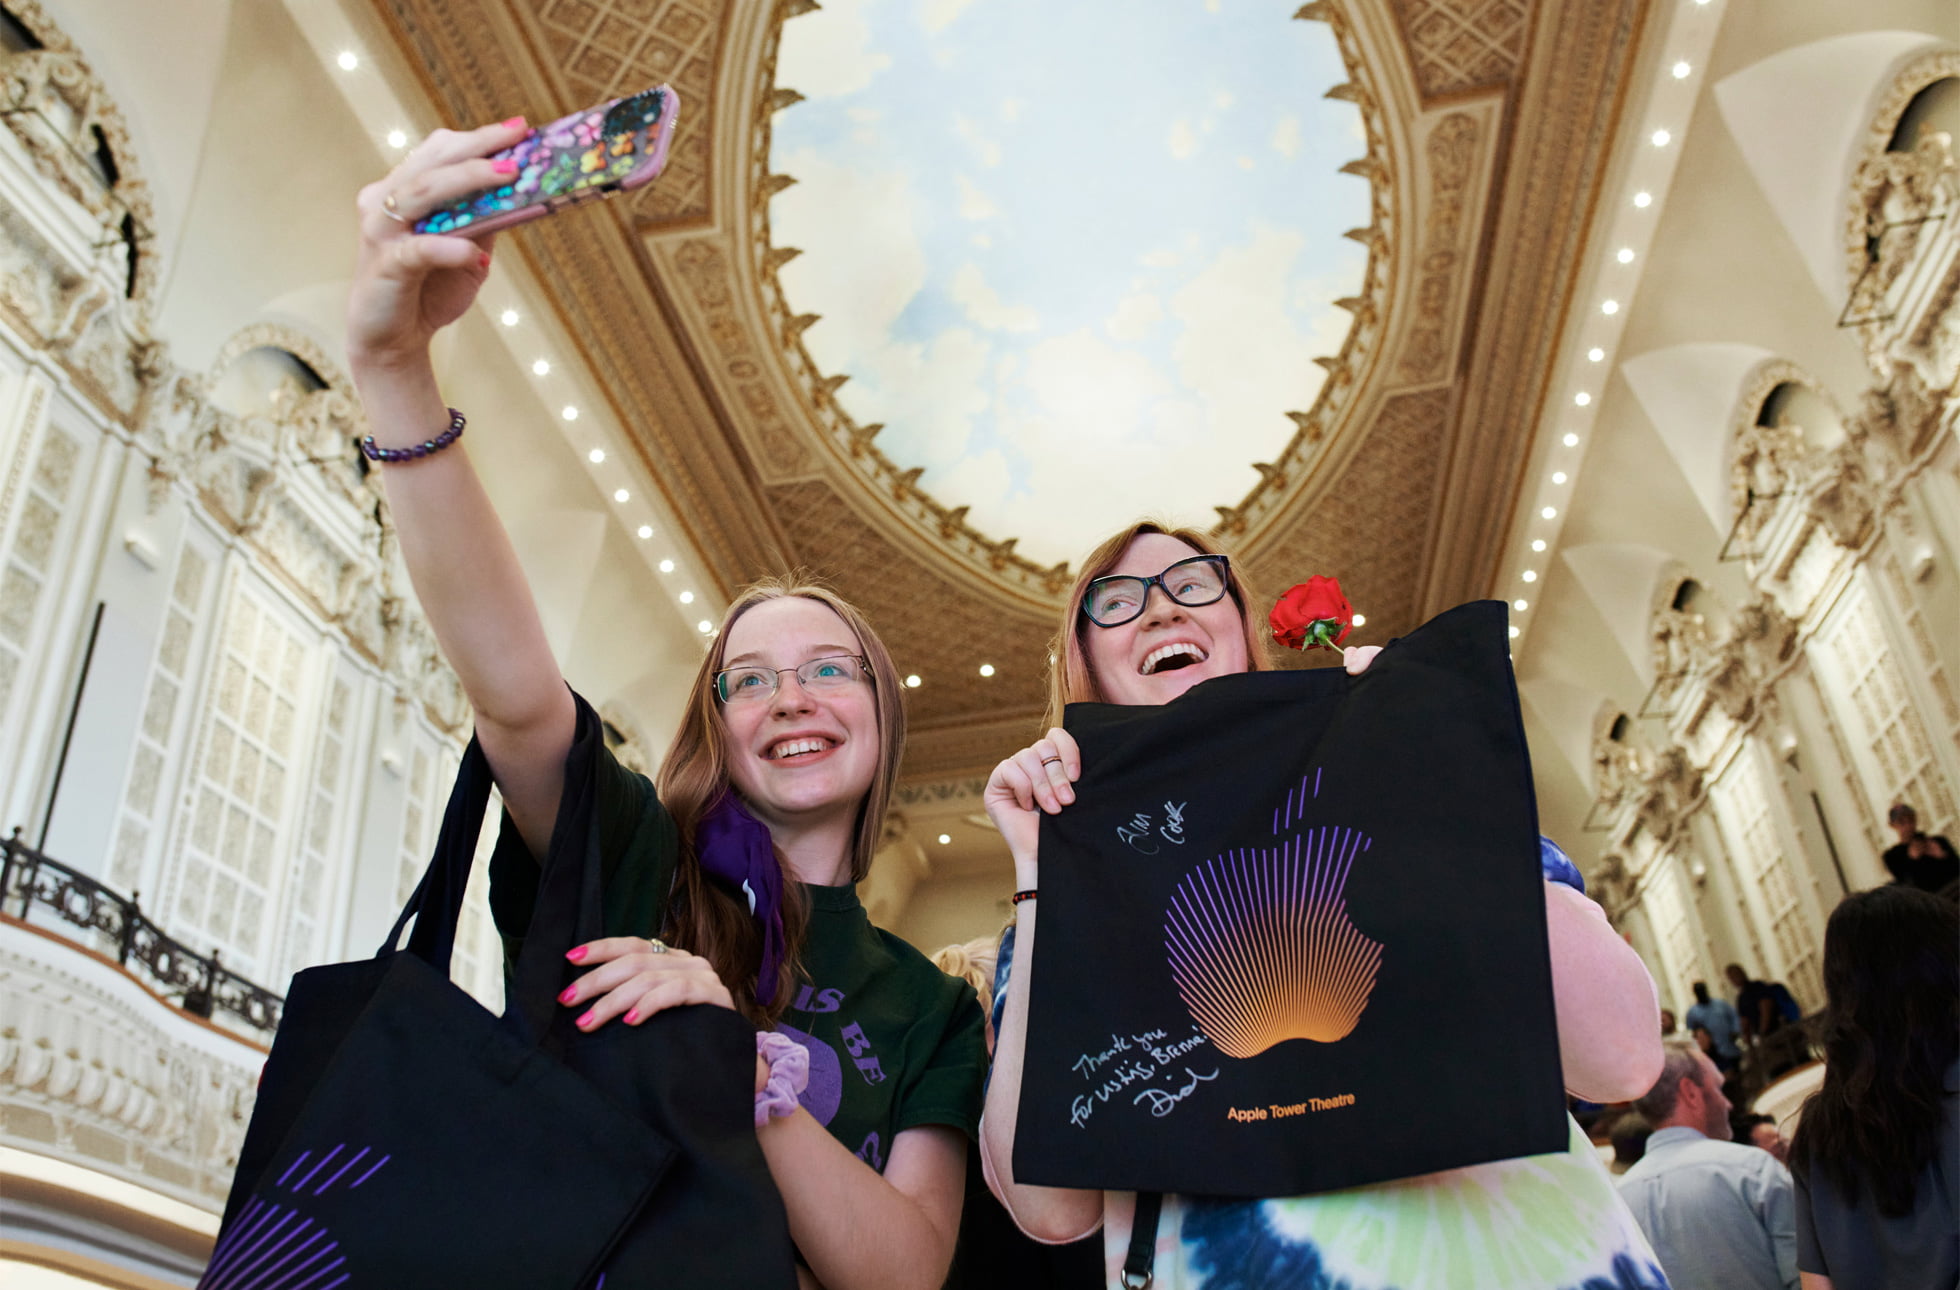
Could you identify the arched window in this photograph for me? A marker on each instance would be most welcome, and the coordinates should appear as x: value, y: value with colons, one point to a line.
x: 1935, y: 109
x: 265, y: 380
x: 1795, y: 406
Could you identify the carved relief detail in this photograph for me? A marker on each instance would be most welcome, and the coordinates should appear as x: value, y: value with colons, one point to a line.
x: 1461, y: 45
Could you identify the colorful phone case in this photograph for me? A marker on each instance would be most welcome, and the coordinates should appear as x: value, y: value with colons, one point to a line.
x: 600, y: 151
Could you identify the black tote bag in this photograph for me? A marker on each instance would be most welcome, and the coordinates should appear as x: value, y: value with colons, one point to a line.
x: 1293, y: 933
x: 406, y: 1136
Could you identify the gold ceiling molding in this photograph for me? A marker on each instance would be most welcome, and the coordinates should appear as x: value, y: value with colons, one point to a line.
x: 1464, y: 46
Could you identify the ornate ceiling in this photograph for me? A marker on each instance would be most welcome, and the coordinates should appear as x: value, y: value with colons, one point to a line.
x: 1488, y: 124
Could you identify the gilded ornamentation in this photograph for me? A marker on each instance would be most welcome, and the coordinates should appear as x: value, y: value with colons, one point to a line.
x: 1452, y: 153
x: 1463, y: 45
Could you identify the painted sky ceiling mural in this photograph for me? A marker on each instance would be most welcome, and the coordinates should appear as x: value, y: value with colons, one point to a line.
x: 1079, y: 267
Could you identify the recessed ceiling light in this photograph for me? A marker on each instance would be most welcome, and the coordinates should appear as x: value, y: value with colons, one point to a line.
x: 1520, y: 605
x: 704, y: 627
x: 621, y: 495
x: 1582, y: 398
x: 348, y: 60
x: 1571, y: 440
x: 1529, y: 575
x: 1361, y: 620
x: 1515, y: 633
x: 397, y: 138
x: 569, y: 412
x: 1625, y: 255
x: 666, y: 566
x: 596, y: 456
x: 508, y: 317
x: 1558, y: 477
x: 1538, y: 544
x: 945, y: 838
x: 1681, y: 71
x: 687, y: 597
x: 645, y: 531
x: 1549, y: 513
x: 1595, y: 354
x: 1661, y: 138
x: 986, y: 669
x: 1609, y: 306
x: 1643, y: 200
x: 541, y: 368
x: 912, y: 681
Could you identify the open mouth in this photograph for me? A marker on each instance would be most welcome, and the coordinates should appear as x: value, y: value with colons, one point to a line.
x: 798, y: 747
x: 1171, y: 657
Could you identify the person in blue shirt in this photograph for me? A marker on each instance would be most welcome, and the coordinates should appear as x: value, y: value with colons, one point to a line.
x: 1715, y: 1018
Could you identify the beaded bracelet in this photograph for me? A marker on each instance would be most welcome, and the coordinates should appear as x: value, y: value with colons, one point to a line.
x: 395, y: 456
x: 1029, y: 894
x: 789, y: 1074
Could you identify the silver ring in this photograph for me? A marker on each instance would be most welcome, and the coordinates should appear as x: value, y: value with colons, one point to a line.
x: 391, y: 210
x: 656, y: 946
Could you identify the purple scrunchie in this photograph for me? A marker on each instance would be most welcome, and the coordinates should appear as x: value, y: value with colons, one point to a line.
x: 736, y: 847
x: 789, y: 1074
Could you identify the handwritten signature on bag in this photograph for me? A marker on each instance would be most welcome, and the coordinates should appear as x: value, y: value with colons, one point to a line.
x: 1142, y: 832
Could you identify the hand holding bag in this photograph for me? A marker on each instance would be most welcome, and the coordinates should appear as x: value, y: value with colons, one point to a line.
x: 404, y: 1135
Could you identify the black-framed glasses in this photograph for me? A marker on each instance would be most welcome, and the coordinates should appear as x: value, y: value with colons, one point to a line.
x: 1114, y: 600
x: 832, y: 672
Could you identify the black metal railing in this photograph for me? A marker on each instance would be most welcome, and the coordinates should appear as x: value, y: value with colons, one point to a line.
x: 202, y: 985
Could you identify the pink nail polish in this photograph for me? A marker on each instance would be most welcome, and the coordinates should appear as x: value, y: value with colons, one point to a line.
x: 570, y: 995
x: 584, y: 1021
x: 513, y: 123
x: 576, y: 954
x: 504, y: 165
x: 632, y: 1018
x: 483, y: 262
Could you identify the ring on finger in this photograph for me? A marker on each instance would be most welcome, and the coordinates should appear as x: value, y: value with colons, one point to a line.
x: 392, y: 210
x: 656, y: 946
x: 1051, y: 761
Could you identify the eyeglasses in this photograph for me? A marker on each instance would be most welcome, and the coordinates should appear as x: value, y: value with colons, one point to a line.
x: 833, y: 672
x: 1115, y: 600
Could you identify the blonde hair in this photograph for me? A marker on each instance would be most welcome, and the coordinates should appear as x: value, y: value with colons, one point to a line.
x: 973, y: 963
x: 1070, y: 677
x: 706, y: 917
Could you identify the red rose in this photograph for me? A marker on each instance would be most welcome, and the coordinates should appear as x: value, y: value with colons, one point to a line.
x: 1313, y: 615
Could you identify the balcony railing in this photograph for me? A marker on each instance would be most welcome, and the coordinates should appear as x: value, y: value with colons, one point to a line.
x: 202, y: 985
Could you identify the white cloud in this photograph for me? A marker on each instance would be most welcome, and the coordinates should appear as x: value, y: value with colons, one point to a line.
x: 1134, y: 317
x: 985, y: 148
x: 1161, y: 258
x: 1182, y: 140
x: 1286, y: 136
x: 982, y: 241
x: 863, y: 223
x: 984, y: 306
x: 1245, y: 163
x: 974, y: 204
x: 827, y: 53
x: 926, y: 395
x: 936, y: 15
x: 1221, y: 100
x: 1010, y: 110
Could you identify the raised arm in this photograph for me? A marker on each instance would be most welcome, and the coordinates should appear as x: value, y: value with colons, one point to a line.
x: 1609, y: 1019
x: 406, y: 288
x: 1038, y: 778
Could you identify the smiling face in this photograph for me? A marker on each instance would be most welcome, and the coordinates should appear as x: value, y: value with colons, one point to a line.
x: 1169, y: 648
x: 799, y: 758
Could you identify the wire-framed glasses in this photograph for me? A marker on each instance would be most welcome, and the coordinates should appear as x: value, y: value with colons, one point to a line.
x: 832, y: 672
x: 1118, y: 598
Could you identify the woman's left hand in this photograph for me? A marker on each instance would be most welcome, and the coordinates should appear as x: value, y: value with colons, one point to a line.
x: 630, y: 979
x: 1356, y: 658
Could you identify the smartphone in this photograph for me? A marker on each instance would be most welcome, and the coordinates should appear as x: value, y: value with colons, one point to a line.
x: 611, y: 148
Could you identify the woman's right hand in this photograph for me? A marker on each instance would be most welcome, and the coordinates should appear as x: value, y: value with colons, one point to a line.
x: 1041, y: 777
x: 408, y: 285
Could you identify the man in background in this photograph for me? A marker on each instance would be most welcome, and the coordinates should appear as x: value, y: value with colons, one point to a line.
x: 1918, y: 860
x: 1712, y: 1023
x: 1720, y: 1216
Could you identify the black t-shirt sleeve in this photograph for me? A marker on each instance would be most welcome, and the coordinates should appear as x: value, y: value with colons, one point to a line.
x: 949, y: 1047
x: 639, y: 847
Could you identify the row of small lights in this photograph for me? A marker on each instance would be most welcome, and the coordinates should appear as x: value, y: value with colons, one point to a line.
x: 1609, y: 307
x: 397, y: 139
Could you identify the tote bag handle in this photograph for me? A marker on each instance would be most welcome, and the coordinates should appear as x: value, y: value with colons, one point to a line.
x: 437, y: 903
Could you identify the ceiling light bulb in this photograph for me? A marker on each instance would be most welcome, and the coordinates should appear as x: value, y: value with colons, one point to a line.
x: 596, y: 456
x: 541, y: 368
x: 704, y: 627
x: 1558, y: 477
x: 1538, y: 544
x: 621, y: 495
x: 986, y: 669
x: 397, y: 138
x: 1571, y: 440
x: 1662, y: 138
x: 1520, y: 605
x: 1609, y: 307
x: 666, y: 566
x: 1529, y: 575
x: 645, y: 531
x: 1643, y: 200
x: 1582, y: 398
x: 1681, y: 71
x: 687, y: 597
x: 945, y: 838
x: 1549, y: 513
x: 1514, y: 632
x: 348, y: 60
x: 1625, y: 255
x: 1595, y: 354
x: 912, y: 681
x: 508, y: 317
x: 1361, y: 620
x: 568, y: 412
